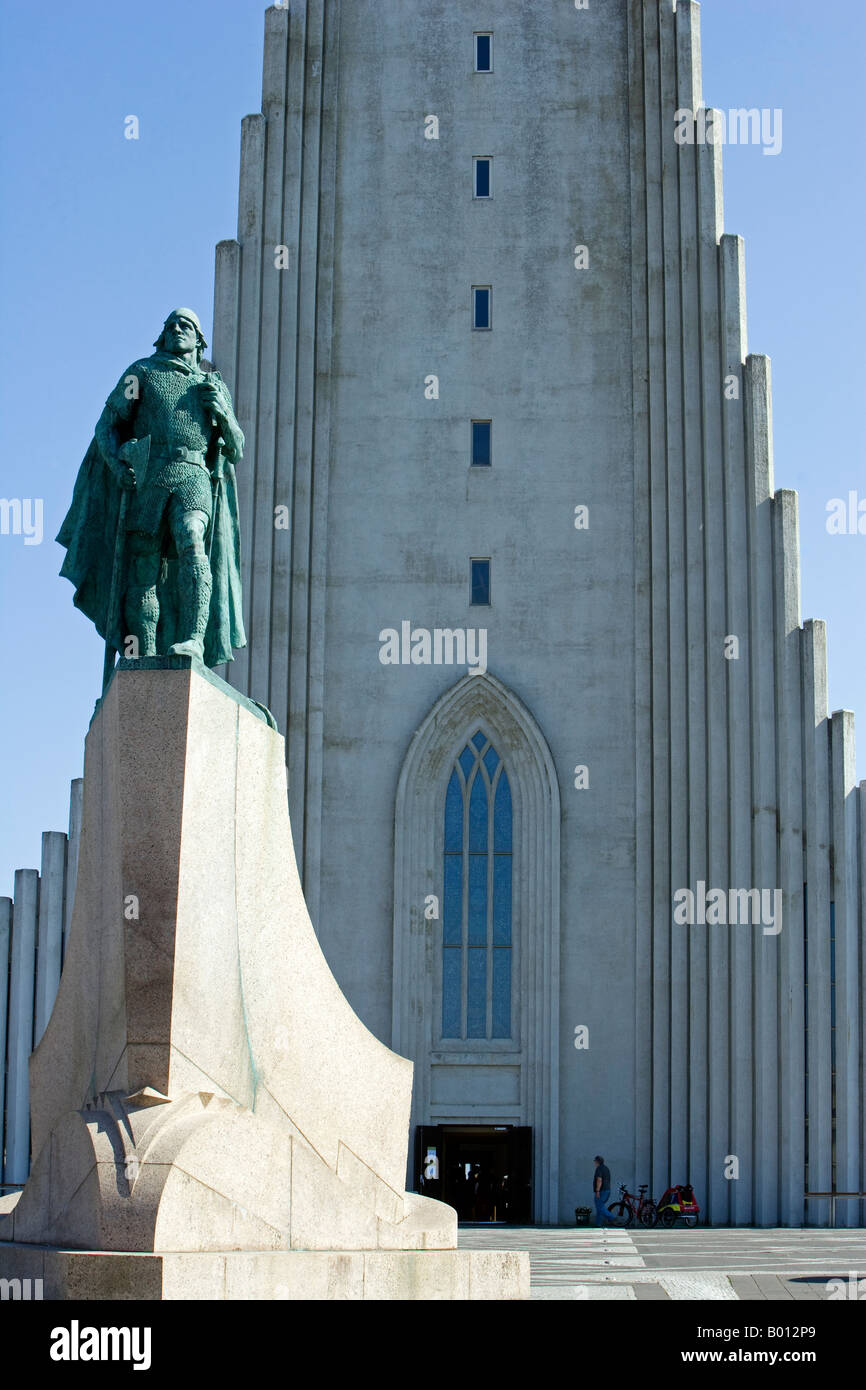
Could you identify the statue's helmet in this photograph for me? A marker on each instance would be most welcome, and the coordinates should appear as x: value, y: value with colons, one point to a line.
x: 192, y: 318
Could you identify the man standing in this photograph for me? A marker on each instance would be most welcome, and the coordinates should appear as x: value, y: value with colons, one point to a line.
x: 152, y: 534
x: 601, y: 1192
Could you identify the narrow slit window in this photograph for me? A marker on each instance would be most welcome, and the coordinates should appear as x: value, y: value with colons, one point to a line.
x: 482, y: 442
x: 483, y: 52
x: 482, y: 177
x: 479, y: 583
x: 482, y: 306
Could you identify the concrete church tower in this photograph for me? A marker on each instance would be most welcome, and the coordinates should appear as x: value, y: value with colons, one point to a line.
x: 458, y: 420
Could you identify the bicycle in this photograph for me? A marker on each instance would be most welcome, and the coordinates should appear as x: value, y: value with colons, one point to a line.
x: 625, y: 1212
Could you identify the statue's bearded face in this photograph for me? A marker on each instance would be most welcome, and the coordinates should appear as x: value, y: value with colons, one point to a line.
x: 180, y: 335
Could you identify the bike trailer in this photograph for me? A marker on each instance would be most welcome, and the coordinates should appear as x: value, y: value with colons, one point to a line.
x: 679, y: 1201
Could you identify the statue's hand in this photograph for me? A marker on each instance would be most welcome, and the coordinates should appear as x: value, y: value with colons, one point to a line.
x: 215, y: 399
x: 125, y: 474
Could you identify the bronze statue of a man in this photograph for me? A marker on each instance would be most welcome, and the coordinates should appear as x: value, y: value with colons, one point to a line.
x: 152, y: 536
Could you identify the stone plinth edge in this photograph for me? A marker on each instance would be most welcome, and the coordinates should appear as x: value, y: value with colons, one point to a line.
x: 309, y: 1275
x: 188, y: 663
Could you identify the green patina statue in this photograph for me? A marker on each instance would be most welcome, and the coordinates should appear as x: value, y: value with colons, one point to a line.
x: 152, y: 537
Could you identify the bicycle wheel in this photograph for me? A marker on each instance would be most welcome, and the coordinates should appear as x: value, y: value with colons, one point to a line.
x: 621, y: 1213
x: 668, y: 1217
x: 648, y: 1216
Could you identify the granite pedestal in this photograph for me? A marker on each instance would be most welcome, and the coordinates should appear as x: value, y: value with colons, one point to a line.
x: 210, y: 1119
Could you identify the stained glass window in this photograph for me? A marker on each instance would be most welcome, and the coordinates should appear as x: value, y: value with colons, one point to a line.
x: 476, y: 915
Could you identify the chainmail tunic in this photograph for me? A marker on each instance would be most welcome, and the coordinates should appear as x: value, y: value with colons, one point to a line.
x: 169, y: 409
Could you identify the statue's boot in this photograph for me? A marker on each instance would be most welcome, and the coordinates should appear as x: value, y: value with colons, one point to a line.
x: 194, y: 591
x: 142, y: 616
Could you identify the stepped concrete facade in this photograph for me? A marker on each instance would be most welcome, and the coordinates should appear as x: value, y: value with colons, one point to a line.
x: 656, y: 703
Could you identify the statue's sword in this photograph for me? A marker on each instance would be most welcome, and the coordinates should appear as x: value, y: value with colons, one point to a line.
x: 136, y: 453
x: 216, y: 483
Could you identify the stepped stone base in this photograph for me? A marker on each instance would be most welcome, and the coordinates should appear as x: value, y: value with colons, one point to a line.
x: 271, y: 1275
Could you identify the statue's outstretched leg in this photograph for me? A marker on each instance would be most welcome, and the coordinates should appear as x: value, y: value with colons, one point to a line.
x: 141, y: 605
x: 193, y: 581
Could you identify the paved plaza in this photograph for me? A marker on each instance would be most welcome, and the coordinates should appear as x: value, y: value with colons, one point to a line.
x: 740, y: 1263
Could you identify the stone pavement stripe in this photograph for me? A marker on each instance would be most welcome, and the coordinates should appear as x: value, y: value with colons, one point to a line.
x: 745, y: 1287
x: 675, y: 1272
x: 645, y: 1293
x: 713, y: 1286
x: 816, y: 1268
x: 612, y: 1263
x: 772, y: 1286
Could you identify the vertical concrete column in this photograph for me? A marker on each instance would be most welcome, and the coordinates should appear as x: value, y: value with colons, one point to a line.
x: 224, y: 348
x: 788, y: 956
x: 227, y: 274
x: 687, y: 19
x: 320, y: 211
x: 673, y: 583
x: 759, y: 445
x: 779, y: 959
x: 5, y: 941
x: 709, y: 963
x: 246, y: 397
x: 650, y: 1155
x: 663, y: 966
x: 735, y: 1136
x: 692, y: 232
x: 313, y: 67
x: 20, y: 1027
x: 816, y: 784
x: 274, y: 102
x: 296, y: 138
x: 50, y: 954
x: 846, y: 893
x: 76, y: 802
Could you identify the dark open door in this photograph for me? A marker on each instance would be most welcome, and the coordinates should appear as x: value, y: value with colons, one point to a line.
x: 483, y: 1171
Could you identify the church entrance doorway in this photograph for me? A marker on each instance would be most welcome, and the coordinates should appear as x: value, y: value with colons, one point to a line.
x: 483, y: 1171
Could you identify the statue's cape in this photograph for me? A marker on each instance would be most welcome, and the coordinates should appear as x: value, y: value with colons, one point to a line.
x: 89, y: 533
x: 225, y: 629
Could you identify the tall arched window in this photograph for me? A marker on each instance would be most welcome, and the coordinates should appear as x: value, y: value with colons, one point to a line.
x: 476, y: 916
x: 445, y: 1067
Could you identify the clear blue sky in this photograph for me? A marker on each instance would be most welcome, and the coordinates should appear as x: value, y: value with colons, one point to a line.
x: 102, y: 235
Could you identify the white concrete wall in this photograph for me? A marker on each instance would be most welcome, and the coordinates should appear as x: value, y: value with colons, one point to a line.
x: 32, y: 940
x: 605, y: 387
